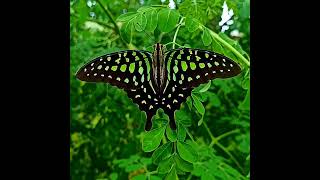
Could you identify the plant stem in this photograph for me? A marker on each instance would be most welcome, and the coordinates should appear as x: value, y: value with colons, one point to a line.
x: 108, y: 13
x: 215, y: 141
x: 190, y: 135
x: 110, y: 16
x: 227, y: 134
x: 176, y: 33
x: 227, y: 45
x: 231, y: 156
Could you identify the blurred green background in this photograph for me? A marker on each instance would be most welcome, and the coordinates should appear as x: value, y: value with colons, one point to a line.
x: 107, y: 128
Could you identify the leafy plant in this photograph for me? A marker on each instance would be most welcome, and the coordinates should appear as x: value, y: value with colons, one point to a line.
x: 107, y: 136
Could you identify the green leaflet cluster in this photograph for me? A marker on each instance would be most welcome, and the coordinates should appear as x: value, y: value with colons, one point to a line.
x: 147, y: 18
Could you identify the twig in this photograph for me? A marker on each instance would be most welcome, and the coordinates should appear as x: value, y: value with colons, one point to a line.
x: 176, y: 33
x: 215, y: 141
x: 108, y: 13
x: 227, y: 45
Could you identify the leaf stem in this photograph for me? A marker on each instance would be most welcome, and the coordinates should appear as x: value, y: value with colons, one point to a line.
x: 227, y: 45
x: 176, y: 33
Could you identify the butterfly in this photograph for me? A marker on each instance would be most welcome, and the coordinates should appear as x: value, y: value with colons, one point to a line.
x: 158, y: 79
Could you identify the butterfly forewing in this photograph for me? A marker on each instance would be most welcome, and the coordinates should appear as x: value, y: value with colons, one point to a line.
x: 125, y: 69
x: 192, y: 67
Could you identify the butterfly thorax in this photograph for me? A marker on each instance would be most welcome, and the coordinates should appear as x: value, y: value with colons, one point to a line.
x: 158, y: 70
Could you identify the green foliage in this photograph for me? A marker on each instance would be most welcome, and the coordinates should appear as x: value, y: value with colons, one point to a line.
x: 212, y: 140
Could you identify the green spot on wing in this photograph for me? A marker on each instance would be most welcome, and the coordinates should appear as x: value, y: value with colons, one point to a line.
x: 202, y: 65
x: 184, y: 65
x: 123, y: 68
x: 140, y: 70
x: 114, y: 68
x: 193, y: 66
x: 132, y: 67
x: 175, y: 69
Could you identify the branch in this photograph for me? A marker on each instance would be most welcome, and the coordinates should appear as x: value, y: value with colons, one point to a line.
x: 227, y: 45
x: 176, y: 33
x: 108, y: 13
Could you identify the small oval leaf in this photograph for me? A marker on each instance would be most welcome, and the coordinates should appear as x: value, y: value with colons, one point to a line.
x: 182, y: 164
x: 187, y: 152
x: 126, y: 17
x: 182, y: 133
x: 161, y: 153
x: 165, y: 165
x: 151, y: 140
x: 140, y: 22
x: 206, y: 37
x: 171, y: 134
x: 192, y: 24
x: 168, y: 19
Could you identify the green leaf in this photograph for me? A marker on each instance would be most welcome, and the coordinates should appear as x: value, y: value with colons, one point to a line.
x: 192, y: 24
x: 206, y: 37
x: 140, y: 22
x: 168, y: 19
x: 133, y: 167
x: 145, y: 9
x: 233, y: 43
x: 182, y: 164
x: 184, y: 117
x: 165, y: 165
x: 171, y: 135
x: 214, y: 99
x: 152, y: 139
x: 187, y: 152
x: 127, y: 31
x: 126, y: 17
x: 146, y: 161
x: 113, y: 176
x: 172, y: 175
x: 216, y: 46
x: 162, y: 152
x: 199, y: 107
x: 140, y: 177
x: 194, y: 8
x: 182, y: 133
x: 153, y: 177
x: 197, y: 104
x: 245, y: 105
x: 152, y: 20
x: 206, y: 87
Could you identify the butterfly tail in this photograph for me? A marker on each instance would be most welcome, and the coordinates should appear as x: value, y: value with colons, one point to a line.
x: 148, y: 124
x: 172, y: 122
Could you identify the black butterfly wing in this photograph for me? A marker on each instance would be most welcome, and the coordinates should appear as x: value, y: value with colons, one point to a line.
x: 187, y: 69
x: 125, y: 69
x: 128, y: 70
